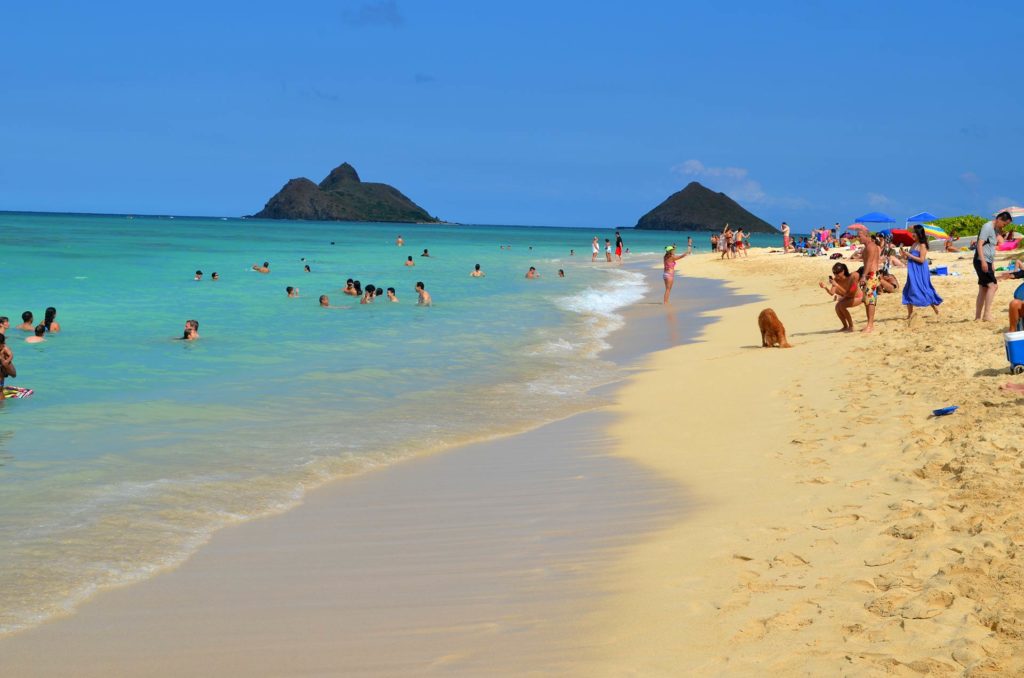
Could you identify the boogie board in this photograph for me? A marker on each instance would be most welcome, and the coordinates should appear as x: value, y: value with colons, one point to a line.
x: 16, y: 392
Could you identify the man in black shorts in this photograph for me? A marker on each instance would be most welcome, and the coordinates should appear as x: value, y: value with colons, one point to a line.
x: 984, y: 258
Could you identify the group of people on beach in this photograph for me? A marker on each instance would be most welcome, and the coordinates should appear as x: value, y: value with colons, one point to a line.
x: 730, y: 243
x: 595, y: 248
x: 878, y: 256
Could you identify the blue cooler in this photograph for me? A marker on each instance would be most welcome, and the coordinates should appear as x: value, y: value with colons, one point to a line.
x: 941, y: 270
x: 1015, y: 351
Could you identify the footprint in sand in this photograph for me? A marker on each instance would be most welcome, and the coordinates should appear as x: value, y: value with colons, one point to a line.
x: 927, y: 605
x: 836, y: 522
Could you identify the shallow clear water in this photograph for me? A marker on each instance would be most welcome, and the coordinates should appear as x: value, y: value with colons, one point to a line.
x: 135, y: 446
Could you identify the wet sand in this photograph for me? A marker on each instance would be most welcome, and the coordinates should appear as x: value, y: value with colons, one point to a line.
x: 482, y: 560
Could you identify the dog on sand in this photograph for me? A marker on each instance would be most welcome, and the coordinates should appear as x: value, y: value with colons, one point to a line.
x: 772, y: 330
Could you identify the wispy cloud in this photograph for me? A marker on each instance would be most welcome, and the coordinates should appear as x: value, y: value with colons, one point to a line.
x: 383, y: 13
x: 970, y: 179
x: 879, y: 200
x: 737, y: 183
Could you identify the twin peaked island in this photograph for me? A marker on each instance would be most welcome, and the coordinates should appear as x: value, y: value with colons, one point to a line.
x: 342, y: 196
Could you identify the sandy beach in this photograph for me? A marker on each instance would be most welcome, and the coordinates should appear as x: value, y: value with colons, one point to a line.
x: 840, y: 529
x: 735, y: 511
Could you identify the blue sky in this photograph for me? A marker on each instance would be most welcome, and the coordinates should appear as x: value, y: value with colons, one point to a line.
x: 547, y: 113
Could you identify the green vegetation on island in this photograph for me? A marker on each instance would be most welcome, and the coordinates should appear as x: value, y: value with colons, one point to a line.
x: 342, y: 196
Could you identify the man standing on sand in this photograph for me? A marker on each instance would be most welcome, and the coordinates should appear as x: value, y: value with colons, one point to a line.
x: 786, y: 244
x: 871, y: 281
x: 618, y: 247
x: 984, y: 257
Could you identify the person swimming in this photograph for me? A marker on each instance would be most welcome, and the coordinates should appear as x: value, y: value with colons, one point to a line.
x: 391, y: 294
x: 215, y: 276
x: 292, y: 291
x: 532, y: 273
x: 410, y: 262
x: 476, y: 272
x: 26, y: 322
x: 265, y: 268
x: 199, y: 275
x: 423, y: 294
x: 49, y: 320
x: 37, y: 335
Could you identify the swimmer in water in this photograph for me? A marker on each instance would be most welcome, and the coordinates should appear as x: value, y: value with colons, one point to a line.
x: 215, y: 276
x: 561, y: 273
x: 532, y: 273
x: 306, y: 268
x: 26, y: 322
x: 423, y: 294
x: 37, y: 335
x: 410, y: 262
x: 425, y: 253
x: 199, y: 275
x: 265, y: 268
x: 398, y: 241
x: 391, y: 295
x: 49, y: 320
x: 476, y: 272
x: 292, y: 291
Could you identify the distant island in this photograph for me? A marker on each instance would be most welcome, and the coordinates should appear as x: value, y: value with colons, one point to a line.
x: 342, y: 196
x: 698, y: 208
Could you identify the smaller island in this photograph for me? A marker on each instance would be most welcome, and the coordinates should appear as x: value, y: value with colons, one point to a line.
x: 698, y: 208
x: 342, y: 196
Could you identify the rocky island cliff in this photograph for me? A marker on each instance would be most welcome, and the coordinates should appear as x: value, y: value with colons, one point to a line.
x: 342, y: 196
x: 698, y: 208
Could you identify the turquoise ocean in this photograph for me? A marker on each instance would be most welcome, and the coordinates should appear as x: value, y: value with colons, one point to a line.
x: 135, y: 447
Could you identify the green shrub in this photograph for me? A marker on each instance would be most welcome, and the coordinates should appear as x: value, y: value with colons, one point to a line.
x: 962, y: 226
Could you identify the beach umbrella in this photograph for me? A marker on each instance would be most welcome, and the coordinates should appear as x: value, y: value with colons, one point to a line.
x: 934, y: 231
x: 901, y: 236
x: 921, y: 218
x: 1014, y: 211
x: 876, y: 218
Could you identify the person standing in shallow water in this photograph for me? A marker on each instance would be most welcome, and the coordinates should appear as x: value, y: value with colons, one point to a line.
x: 7, y: 368
x: 618, y: 247
x: 669, y: 261
x: 918, y: 290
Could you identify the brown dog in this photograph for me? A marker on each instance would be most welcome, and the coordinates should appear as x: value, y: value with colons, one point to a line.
x: 772, y: 331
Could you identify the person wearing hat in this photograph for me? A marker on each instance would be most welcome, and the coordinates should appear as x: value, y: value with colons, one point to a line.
x: 670, y: 260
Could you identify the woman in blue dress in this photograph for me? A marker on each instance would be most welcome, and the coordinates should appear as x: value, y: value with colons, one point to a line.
x: 919, y: 291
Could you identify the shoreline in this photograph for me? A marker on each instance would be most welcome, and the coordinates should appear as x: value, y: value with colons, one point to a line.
x: 790, y: 511
x: 166, y: 605
x: 842, y: 529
